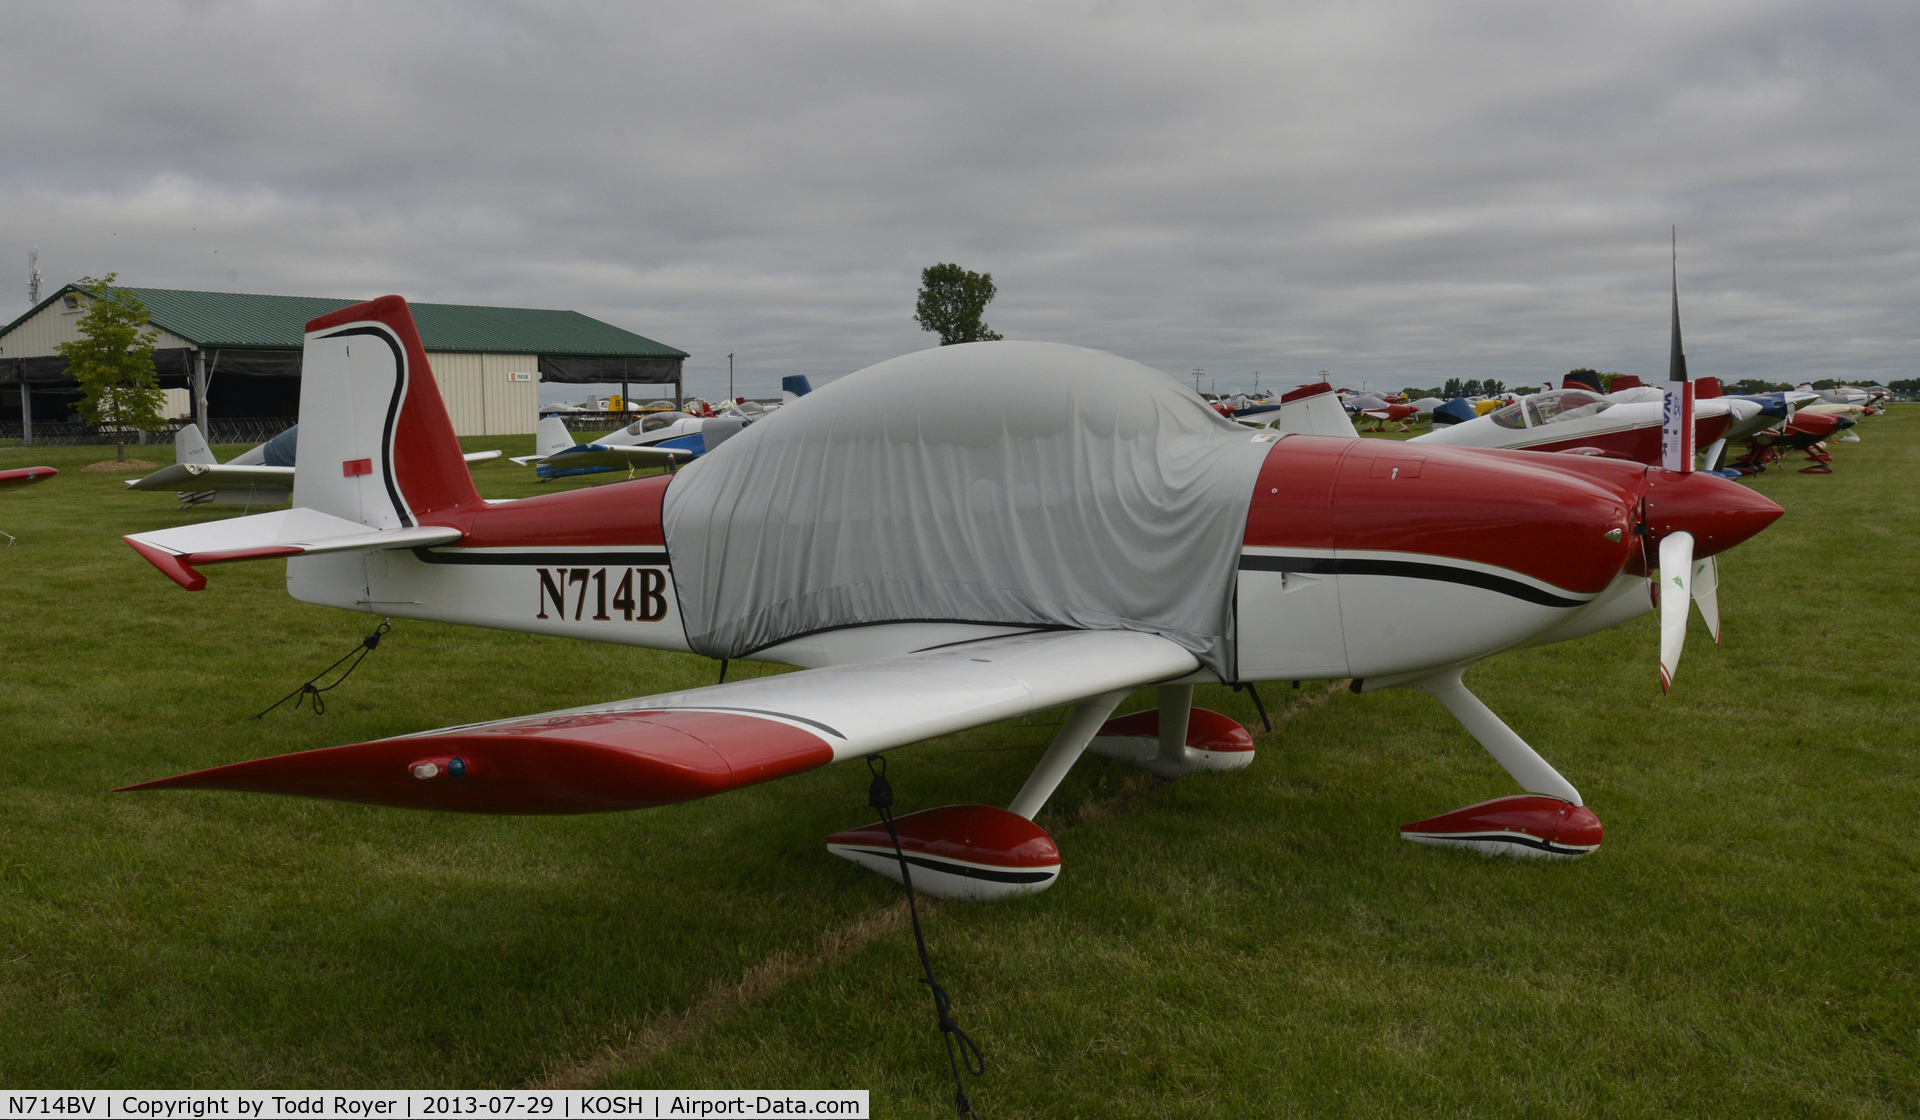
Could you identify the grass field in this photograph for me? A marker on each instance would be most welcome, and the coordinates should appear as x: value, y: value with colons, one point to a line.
x: 1254, y: 943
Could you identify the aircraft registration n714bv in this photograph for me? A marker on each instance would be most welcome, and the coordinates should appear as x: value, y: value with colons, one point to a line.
x: 941, y: 541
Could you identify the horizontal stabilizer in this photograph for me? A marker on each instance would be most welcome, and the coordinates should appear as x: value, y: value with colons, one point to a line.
x: 288, y: 532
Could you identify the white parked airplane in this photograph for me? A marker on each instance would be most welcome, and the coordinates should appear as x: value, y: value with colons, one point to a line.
x: 259, y: 476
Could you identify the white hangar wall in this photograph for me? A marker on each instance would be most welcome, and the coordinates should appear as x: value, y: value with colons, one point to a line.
x: 37, y: 337
x: 483, y: 397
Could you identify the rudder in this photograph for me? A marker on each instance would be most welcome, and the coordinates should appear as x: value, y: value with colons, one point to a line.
x: 376, y: 445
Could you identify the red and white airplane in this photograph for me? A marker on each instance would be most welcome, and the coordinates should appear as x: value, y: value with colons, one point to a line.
x: 952, y: 538
x: 1570, y: 419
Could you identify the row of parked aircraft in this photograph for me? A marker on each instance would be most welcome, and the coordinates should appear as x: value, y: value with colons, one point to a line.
x: 961, y: 536
x: 1623, y: 423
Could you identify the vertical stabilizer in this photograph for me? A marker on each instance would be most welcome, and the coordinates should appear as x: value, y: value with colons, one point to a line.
x: 551, y: 436
x: 1314, y: 410
x: 793, y: 387
x: 189, y: 446
x: 375, y: 443
x: 1676, y: 417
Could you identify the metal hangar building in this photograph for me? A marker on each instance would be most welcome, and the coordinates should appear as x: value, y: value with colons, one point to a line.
x: 239, y: 355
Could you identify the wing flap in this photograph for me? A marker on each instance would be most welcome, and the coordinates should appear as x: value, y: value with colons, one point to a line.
x: 672, y: 747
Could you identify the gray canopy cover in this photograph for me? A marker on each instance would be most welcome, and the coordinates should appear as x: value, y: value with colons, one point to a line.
x: 1004, y: 482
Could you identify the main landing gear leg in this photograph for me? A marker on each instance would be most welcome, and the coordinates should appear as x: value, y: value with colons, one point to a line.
x: 1176, y: 711
x: 1068, y: 743
x: 1552, y: 822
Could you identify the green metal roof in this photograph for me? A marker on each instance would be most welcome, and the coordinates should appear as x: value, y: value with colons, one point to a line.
x: 230, y: 319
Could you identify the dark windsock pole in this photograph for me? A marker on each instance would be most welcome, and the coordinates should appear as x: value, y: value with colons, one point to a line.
x: 1676, y: 417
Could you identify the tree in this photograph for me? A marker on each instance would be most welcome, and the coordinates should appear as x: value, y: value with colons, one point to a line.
x: 1453, y: 388
x: 113, y: 362
x: 1494, y: 388
x: 951, y: 303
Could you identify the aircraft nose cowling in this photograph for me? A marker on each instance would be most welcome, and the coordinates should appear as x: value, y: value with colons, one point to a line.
x: 1508, y: 509
x: 1814, y: 424
x: 1719, y: 513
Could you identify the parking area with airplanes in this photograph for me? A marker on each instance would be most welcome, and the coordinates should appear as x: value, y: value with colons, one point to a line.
x: 1749, y: 914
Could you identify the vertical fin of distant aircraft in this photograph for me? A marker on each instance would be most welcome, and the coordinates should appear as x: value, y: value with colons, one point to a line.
x: 552, y: 437
x: 189, y: 446
x: 793, y: 387
x: 1676, y: 421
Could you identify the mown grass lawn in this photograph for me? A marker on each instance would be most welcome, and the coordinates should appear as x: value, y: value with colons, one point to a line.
x: 1745, y: 943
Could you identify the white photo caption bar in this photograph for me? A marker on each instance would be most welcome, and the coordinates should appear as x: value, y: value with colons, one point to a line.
x: 409, y: 1104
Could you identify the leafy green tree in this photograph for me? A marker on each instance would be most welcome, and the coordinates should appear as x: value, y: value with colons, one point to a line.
x: 1453, y: 388
x: 113, y: 362
x: 1471, y: 388
x: 1494, y: 388
x: 951, y: 303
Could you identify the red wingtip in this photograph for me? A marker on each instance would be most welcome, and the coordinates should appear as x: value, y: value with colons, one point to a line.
x: 172, y: 566
x: 543, y: 764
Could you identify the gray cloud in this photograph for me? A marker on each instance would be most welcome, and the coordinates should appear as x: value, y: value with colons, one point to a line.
x: 1395, y: 193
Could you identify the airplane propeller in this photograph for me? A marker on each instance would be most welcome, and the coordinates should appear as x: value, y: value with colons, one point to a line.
x: 1676, y: 600
x: 1706, y: 593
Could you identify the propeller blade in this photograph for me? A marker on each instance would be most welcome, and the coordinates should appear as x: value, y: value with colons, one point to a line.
x: 1706, y: 594
x: 1676, y: 416
x: 1676, y: 574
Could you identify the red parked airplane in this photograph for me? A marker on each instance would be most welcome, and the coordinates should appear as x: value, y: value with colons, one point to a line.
x: 944, y: 540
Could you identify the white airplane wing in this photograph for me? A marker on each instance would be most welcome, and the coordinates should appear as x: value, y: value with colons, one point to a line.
x: 215, y: 476
x: 237, y: 476
x: 677, y: 746
x: 614, y: 455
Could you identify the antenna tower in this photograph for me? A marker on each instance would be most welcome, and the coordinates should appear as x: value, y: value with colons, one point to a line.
x: 33, y: 275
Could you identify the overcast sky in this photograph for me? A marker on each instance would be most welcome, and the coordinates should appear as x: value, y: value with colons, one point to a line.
x: 1394, y: 193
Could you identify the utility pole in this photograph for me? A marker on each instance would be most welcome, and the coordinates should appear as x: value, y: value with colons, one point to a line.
x: 1256, y: 381
x: 1196, y: 381
x: 729, y: 375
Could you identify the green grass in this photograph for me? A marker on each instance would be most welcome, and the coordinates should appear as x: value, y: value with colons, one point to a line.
x: 1252, y: 943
